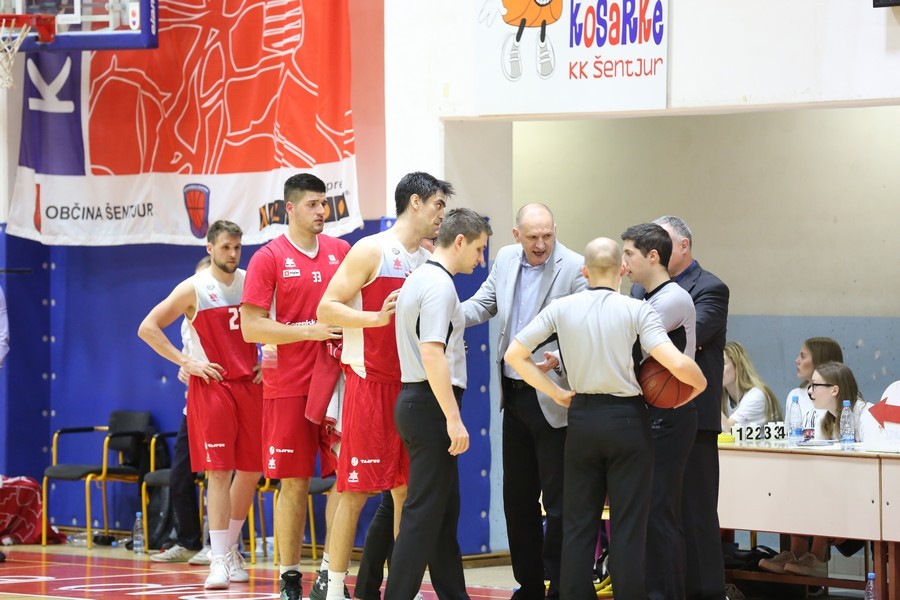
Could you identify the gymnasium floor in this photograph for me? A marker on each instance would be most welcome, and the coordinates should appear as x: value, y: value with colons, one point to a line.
x: 107, y: 573
x: 68, y: 572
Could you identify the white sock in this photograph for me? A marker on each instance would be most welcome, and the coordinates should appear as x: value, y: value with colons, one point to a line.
x: 324, y: 565
x: 282, y: 569
x: 335, y: 585
x: 218, y: 541
x: 234, y: 531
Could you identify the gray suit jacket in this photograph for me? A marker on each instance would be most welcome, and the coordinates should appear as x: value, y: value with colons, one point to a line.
x: 561, y: 277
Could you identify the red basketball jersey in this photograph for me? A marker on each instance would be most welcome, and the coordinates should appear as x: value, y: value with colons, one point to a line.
x: 372, y: 352
x: 216, y: 327
x: 288, y: 282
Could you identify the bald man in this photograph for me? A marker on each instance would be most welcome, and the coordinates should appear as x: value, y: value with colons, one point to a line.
x: 608, y: 446
x: 525, y: 278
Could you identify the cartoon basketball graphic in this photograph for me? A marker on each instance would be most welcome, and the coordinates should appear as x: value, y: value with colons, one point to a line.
x: 196, y: 201
x: 533, y: 12
x: 525, y: 14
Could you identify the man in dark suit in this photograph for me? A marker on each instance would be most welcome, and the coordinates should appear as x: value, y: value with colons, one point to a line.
x: 705, y: 570
x: 524, y: 279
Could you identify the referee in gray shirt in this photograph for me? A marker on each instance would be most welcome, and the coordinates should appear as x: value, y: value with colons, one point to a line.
x: 430, y: 327
x: 608, y: 446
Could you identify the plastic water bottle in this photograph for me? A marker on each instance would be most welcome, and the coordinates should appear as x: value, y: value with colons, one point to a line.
x: 848, y: 430
x: 794, y: 422
x: 137, y: 534
x: 870, y: 588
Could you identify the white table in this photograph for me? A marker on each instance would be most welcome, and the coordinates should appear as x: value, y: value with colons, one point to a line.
x: 768, y: 486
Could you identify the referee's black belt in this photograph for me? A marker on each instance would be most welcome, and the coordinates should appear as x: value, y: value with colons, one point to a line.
x: 425, y: 386
x: 516, y: 384
x: 610, y: 399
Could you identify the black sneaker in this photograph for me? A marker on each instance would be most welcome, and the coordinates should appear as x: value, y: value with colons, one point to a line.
x: 320, y: 586
x: 291, y: 586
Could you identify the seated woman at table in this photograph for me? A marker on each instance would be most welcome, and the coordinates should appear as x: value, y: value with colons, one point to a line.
x: 746, y: 400
x: 829, y: 385
x: 813, y: 352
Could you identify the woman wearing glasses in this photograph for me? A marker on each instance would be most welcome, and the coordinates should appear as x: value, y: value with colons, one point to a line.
x: 813, y: 352
x: 829, y: 385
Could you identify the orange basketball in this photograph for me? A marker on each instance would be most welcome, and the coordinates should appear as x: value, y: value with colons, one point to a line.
x: 534, y: 12
x: 660, y: 388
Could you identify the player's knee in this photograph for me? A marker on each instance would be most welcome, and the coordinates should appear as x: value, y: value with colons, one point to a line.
x: 295, y: 487
x: 354, y: 501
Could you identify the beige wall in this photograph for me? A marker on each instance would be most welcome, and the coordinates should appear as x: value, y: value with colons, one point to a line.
x: 798, y: 211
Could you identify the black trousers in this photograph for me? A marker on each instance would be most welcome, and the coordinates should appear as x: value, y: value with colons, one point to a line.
x: 431, y: 511
x: 532, y: 465
x: 705, y: 573
x: 673, y: 434
x: 183, y: 493
x: 608, y: 451
x: 376, y: 550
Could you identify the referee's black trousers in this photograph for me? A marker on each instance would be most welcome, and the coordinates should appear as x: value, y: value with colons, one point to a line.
x: 431, y: 511
x: 608, y: 452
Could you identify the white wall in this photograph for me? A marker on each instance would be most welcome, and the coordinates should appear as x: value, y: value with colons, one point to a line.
x: 724, y: 56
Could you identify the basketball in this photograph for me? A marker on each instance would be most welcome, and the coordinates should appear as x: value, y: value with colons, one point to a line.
x: 660, y: 388
x: 533, y: 12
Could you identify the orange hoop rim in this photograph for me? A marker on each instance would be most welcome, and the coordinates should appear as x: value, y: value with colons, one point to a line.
x: 43, y: 25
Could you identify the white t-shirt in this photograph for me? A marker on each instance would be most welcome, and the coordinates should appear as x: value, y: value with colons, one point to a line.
x: 863, y: 423
x: 751, y: 410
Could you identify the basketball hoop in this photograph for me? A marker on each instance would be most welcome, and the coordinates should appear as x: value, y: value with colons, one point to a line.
x: 13, y: 30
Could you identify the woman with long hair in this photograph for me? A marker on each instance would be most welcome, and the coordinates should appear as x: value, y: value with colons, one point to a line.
x: 746, y: 399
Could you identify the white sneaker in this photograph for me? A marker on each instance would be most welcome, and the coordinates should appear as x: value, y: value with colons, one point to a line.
x: 419, y: 596
x: 218, y: 574
x: 175, y: 554
x: 200, y: 559
x: 546, y: 59
x: 510, y: 59
x: 236, y: 570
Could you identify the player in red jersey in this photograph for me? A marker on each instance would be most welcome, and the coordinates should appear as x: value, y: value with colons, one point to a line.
x: 285, y: 281
x: 362, y: 298
x: 224, y: 395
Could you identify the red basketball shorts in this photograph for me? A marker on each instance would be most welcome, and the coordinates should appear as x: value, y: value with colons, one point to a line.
x: 372, y: 455
x: 225, y: 425
x: 290, y: 440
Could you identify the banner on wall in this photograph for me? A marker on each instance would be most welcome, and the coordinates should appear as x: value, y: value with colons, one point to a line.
x: 152, y: 146
x: 570, y: 56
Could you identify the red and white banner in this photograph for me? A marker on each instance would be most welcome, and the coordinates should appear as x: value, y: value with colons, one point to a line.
x: 151, y: 146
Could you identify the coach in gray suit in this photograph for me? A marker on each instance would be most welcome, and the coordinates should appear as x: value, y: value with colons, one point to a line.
x: 525, y: 278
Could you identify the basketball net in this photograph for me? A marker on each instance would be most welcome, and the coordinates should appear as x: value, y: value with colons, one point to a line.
x: 11, y: 37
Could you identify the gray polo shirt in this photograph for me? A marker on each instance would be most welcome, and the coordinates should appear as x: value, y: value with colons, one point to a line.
x: 597, y: 329
x: 428, y: 310
x: 675, y: 308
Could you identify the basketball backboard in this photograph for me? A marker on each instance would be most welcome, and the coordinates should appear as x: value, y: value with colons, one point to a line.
x: 91, y: 25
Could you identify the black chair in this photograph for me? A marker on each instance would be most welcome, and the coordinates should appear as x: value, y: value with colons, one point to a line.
x: 156, y: 478
x: 127, y: 436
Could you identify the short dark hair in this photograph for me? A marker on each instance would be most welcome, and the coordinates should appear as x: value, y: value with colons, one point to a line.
x: 421, y: 184
x: 463, y: 221
x: 303, y: 182
x: 222, y: 226
x: 650, y: 236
